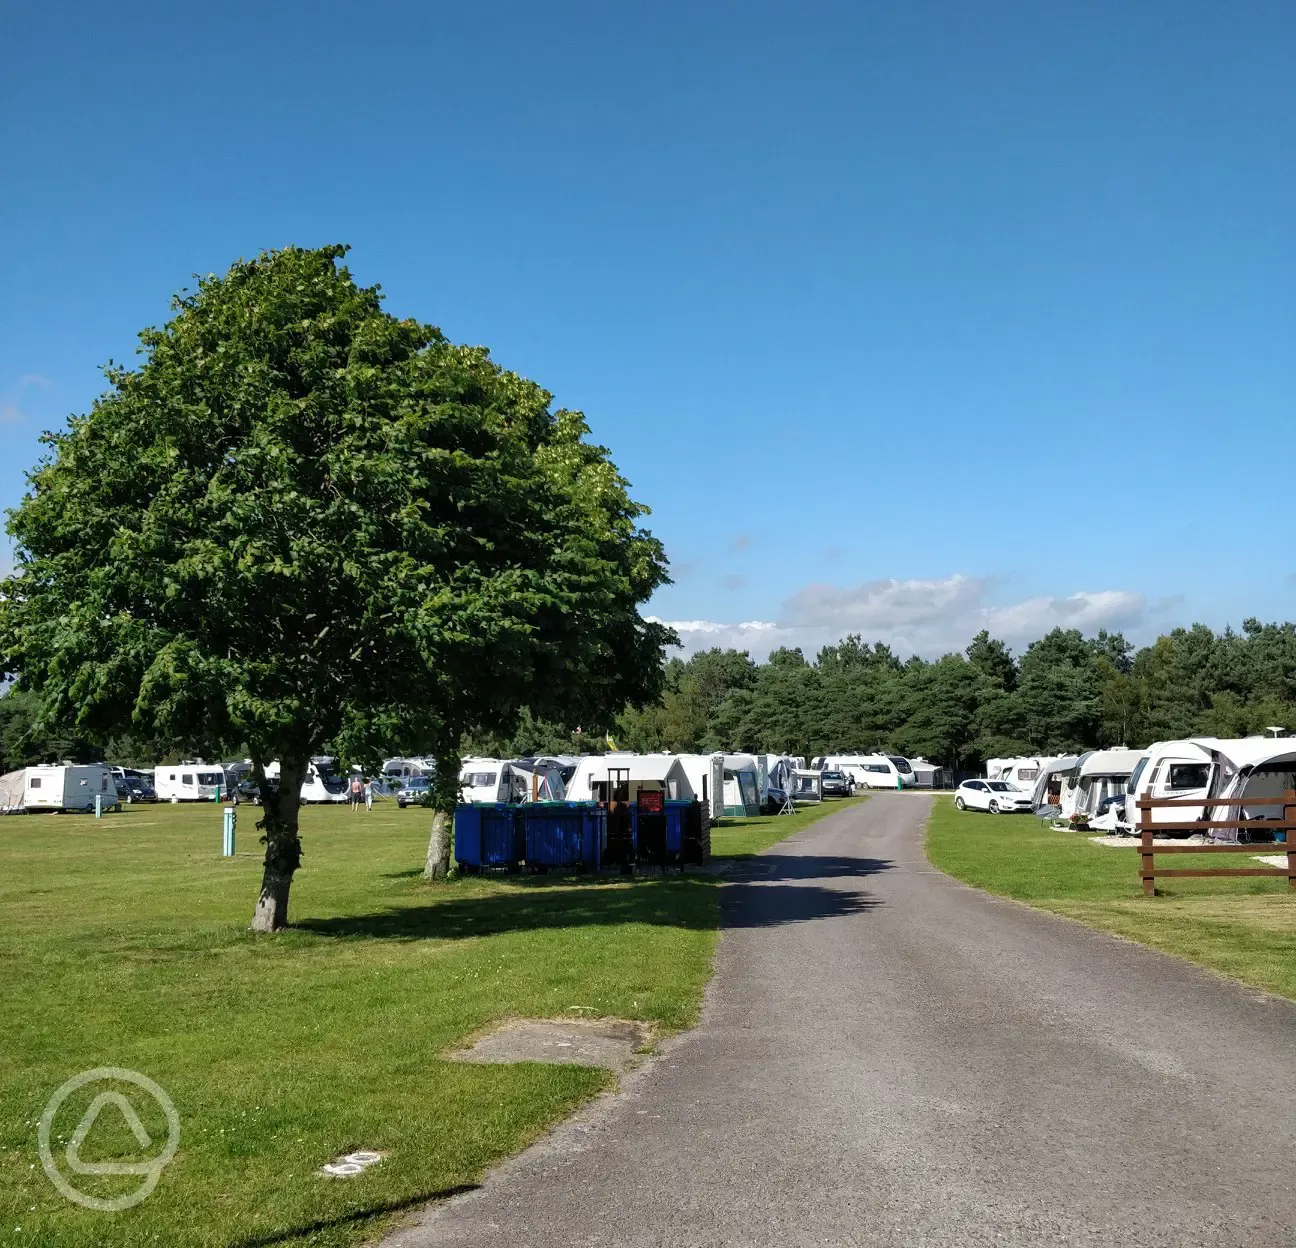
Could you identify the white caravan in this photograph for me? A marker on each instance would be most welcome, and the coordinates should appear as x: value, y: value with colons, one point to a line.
x: 620, y: 777
x: 1177, y: 769
x: 323, y: 784
x: 706, y: 777
x: 1098, y: 775
x: 872, y: 771
x: 63, y: 787
x: 1054, y: 776
x: 1257, y: 768
x: 1022, y: 773
x: 189, y: 782
x: 498, y: 780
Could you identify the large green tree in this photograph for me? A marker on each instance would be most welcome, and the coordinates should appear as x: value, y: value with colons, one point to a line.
x: 302, y: 520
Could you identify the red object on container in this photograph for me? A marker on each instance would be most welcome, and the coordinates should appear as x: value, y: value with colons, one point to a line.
x: 651, y: 802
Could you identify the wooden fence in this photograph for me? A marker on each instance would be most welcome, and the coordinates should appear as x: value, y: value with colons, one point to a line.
x: 1147, y: 829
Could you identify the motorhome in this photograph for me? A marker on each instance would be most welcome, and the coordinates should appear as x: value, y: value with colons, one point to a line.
x: 61, y: 787
x: 621, y: 777
x: 189, y: 782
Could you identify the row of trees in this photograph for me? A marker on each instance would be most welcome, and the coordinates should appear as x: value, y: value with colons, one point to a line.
x: 1066, y: 692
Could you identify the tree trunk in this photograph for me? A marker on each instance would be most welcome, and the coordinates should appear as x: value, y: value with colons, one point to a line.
x: 445, y: 797
x: 283, y: 846
x: 438, y: 855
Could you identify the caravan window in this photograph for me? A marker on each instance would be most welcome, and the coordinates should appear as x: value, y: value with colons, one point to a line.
x: 882, y: 767
x: 1028, y: 773
x: 34, y: 783
x: 186, y: 779
x: 480, y: 779
x: 209, y: 777
x: 1189, y: 775
x: 1132, y: 786
x: 901, y: 764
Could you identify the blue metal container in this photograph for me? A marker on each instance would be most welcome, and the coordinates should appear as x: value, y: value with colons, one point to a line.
x: 488, y: 834
x: 563, y: 834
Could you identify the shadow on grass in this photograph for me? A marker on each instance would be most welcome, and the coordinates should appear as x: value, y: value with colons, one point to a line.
x: 357, y: 1215
x: 777, y: 891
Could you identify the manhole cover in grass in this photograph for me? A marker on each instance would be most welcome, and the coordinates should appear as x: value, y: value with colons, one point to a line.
x: 606, y: 1042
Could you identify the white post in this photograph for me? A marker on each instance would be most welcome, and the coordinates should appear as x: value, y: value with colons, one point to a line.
x: 227, y: 848
x: 98, y: 805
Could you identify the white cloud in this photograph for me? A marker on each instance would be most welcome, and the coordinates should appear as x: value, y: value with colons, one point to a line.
x: 914, y: 617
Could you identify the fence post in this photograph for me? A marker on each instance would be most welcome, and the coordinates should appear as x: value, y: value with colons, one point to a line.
x: 1145, y: 837
x: 1289, y: 817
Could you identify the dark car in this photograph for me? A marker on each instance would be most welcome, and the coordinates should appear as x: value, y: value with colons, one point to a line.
x: 250, y: 791
x: 414, y: 792
x: 836, y: 784
x: 134, y: 789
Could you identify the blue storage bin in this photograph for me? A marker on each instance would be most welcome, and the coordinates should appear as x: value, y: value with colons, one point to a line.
x: 488, y: 834
x: 563, y: 834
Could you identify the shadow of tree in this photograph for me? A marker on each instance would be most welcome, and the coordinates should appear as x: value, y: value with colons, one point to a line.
x: 748, y: 900
x: 356, y: 1215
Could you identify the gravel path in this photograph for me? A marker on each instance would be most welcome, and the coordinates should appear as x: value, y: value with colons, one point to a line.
x: 889, y: 1058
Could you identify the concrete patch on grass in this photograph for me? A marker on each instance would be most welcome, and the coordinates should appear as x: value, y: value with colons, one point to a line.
x: 1133, y: 842
x: 610, y: 1043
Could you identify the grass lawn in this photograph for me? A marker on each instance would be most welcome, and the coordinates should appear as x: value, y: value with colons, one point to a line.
x: 1244, y: 928
x: 125, y: 943
x: 740, y: 838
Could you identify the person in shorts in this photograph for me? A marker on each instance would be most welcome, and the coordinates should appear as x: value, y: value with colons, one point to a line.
x: 357, y: 793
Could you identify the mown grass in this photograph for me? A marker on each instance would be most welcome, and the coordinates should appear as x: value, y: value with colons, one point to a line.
x: 125, y: 943
x: 1243, y: 927
x: 740, y: 838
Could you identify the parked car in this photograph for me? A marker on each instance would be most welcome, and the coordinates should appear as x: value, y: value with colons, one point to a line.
x: 250, y: 791
x: 996, y: 796
x: 836, y: 784
x: 134, y: 789
x: 414, y: 792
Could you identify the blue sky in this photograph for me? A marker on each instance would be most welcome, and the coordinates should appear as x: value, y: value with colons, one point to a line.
x: 903, y: 318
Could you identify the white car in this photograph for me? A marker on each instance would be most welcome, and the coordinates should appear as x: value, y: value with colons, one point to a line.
x: 997, y: 796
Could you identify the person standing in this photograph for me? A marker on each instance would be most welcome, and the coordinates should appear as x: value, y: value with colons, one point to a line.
x: 368, y: 793
x: 357, y: 792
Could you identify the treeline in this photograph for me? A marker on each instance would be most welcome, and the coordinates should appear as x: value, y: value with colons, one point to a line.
x: 1065, y: 693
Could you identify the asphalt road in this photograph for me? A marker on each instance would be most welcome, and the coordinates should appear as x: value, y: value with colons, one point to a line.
x: 887, y: 1057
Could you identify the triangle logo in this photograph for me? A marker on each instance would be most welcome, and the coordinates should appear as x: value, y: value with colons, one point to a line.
x: 86, y: 1125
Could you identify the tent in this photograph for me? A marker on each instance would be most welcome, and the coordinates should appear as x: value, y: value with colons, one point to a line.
x: 13, y: 785
x: 1047, y: 797
x: 927, y: 775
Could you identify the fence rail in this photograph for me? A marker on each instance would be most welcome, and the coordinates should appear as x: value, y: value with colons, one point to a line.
x: 1150, y: 873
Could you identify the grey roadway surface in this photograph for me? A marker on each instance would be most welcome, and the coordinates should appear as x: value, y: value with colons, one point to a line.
x: 887, y: 1057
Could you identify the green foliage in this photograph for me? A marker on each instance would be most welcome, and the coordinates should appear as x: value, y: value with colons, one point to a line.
x: 1067, y: 693
x: 303, y: 520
